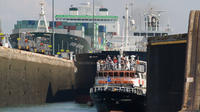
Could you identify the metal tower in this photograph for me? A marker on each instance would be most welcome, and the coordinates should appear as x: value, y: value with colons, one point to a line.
x: 42, y: 17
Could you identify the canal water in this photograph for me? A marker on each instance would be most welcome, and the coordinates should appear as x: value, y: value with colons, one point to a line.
x: 55, y: 107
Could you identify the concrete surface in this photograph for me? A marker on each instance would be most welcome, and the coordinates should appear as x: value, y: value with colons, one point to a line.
x: 25, y: 77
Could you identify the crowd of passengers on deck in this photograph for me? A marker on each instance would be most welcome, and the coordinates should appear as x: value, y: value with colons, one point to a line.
x: 117, y: 63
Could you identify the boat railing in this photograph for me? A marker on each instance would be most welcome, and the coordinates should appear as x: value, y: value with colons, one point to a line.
x: 137, y: 91
x: 116, y: 73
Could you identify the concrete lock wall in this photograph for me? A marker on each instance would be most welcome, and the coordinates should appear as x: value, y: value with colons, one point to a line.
x: 192, y: 68
x: 25, y: 77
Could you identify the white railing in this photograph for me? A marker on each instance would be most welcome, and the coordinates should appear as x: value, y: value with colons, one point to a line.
x: 137, y: 91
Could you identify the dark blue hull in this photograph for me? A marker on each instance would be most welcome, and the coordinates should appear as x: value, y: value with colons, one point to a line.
x: 107, y: 101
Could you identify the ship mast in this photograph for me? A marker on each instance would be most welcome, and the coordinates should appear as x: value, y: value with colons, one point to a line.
x: 125, y: 33
x: 126, y: 27
x: 42, y: 16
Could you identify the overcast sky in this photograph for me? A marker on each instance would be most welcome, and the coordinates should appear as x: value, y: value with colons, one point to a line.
x: 13, y: 10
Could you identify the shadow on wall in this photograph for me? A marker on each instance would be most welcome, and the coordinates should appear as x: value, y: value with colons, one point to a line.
x: 60, y: 96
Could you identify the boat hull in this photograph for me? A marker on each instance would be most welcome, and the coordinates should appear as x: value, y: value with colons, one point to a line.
x: 107, y: 101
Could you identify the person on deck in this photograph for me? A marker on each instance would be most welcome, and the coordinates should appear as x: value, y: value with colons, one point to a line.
x: 98, y: 65
x: 115, y: 63
x: 119, y: 62
x: 122, y: 63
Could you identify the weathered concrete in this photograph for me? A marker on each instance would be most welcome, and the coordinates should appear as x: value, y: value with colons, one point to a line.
x: 25, y: 77
x: 192, y: 71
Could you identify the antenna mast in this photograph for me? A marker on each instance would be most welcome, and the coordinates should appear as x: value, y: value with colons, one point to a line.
x: 42, y: 16
x: 126, y: 27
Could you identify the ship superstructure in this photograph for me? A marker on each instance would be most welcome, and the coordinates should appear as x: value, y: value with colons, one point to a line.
x: 42, y: 18
x: 104, y: 25
x: 135, y: 35
x: 79, y: 22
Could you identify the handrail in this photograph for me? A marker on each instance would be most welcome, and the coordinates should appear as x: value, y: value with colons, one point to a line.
x: 116, y: 73
x: 135, y: 90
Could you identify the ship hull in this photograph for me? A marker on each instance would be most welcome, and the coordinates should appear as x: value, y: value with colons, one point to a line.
x: 107, y: 101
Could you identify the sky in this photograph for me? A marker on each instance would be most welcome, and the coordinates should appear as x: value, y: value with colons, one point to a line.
x: 177, y: 10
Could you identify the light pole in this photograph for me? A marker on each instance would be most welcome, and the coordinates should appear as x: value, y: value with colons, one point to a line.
x: 53, y: 33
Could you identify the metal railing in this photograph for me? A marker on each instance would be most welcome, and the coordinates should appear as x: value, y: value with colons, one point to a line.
x: 137, y: 91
